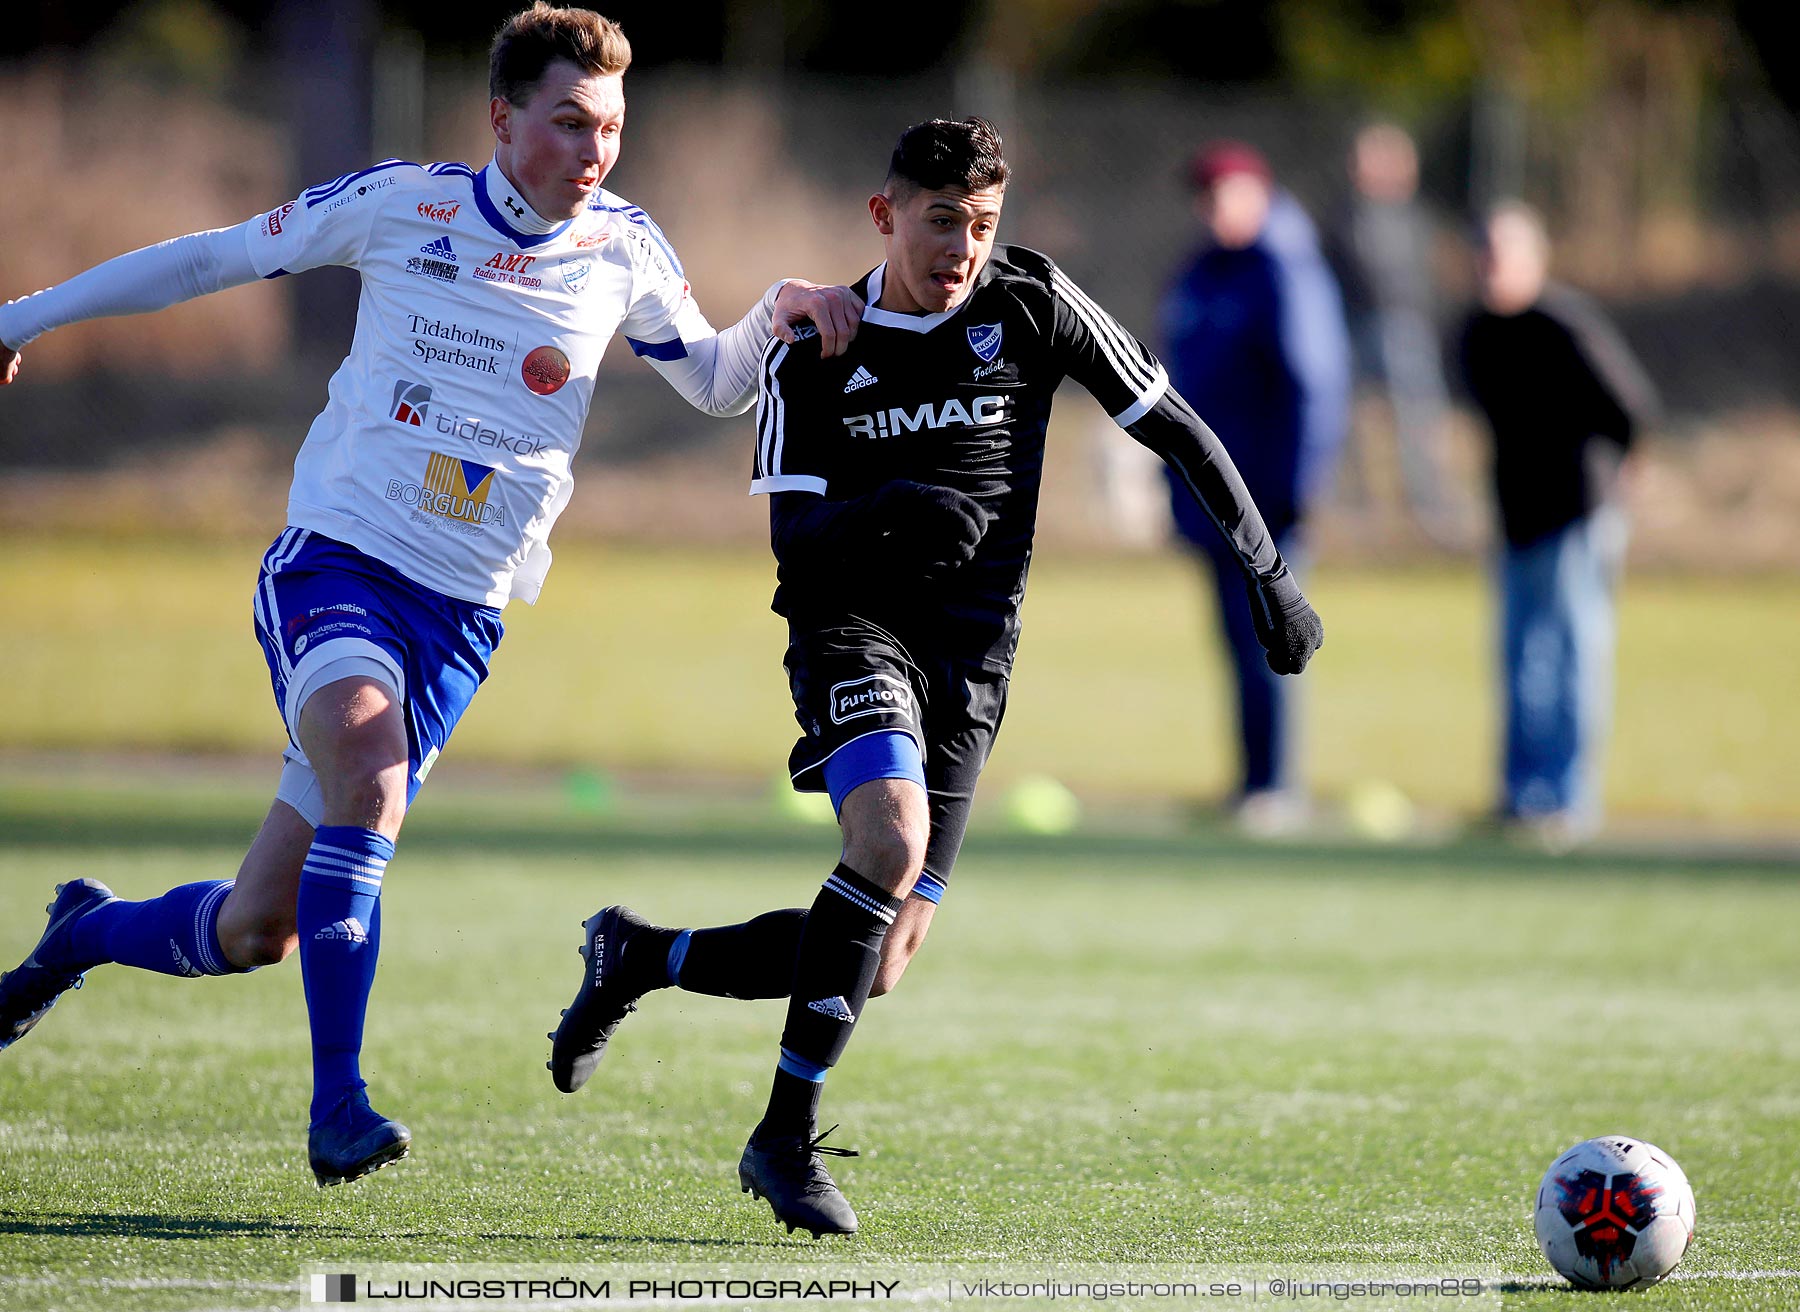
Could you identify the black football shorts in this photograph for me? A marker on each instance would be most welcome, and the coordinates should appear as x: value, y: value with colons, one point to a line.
x: 856, y: 678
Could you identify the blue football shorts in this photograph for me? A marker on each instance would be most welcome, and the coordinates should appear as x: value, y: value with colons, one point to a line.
x: 325, y: 611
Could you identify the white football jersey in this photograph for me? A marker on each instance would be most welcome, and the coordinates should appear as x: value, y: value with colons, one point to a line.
x: 446, y: 444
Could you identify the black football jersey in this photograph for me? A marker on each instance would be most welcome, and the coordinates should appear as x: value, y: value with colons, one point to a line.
x: 962, y: 399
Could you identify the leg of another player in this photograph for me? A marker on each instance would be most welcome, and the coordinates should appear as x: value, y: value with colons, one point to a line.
x: 354, y: 733
x: 205, y: 928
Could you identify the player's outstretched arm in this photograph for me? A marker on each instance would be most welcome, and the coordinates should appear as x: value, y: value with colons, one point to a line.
x: 1129, y: 381
x: 1287, y: 626
x: 716, y: 371
x: 137, y: 283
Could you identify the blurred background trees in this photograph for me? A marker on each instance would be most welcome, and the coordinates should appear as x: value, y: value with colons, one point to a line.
x: 1659, y: 137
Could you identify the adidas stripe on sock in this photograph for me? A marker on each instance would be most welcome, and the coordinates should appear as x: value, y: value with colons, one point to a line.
x: 834, y: 970
x: 175, y: 934
x: 339, y: 923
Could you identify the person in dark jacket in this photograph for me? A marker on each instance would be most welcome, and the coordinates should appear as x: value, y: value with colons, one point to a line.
x: 1564, y: 399
x: 1254, y: 330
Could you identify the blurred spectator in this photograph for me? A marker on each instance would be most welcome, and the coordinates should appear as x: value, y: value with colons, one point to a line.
x: 1255, y: 335
x: 1382, y: 255
x: 1564, y: 398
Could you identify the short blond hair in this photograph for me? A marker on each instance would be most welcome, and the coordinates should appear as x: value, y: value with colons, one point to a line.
x: 532, y: 38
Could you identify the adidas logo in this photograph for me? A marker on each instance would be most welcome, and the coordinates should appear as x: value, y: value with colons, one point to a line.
x: 836, y: 1008
x: 182, y: 964
x: 347, y: 930
x: 861, y: 378
x: 440, y: 248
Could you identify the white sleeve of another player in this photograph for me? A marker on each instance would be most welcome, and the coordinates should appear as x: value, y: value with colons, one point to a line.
x: 717, y: 371
x: 144, y: 280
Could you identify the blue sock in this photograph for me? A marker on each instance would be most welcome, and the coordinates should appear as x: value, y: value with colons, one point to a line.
x: 175, y: 934
x: 678, y: 951
x: 339, y: 923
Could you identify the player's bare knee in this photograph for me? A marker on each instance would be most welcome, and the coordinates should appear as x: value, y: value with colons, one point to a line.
x: 354, y: 734
x: 370, y: 795
x: 257, y: 939
x: 886, y: 824
x: 889, y: 852
x: 262, y: 945
x: 256, y: 925
x: 364, y: 782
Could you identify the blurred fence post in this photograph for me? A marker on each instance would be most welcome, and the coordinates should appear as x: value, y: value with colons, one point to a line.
x: 325, y: 49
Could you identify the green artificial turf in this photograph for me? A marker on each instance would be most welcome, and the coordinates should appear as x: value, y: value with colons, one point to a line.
x: 1135, y: 1048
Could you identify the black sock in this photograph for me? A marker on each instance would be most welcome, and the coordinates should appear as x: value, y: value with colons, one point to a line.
x: 834, y: 969
x: 793, y: 1106
x: 646, y: 964
x: 751, y: 960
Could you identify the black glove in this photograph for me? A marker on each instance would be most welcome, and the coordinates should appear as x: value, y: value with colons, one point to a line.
x: 1286, y: 624
x: 927, y: 526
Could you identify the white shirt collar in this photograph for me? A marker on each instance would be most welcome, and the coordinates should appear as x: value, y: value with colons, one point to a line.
x: 519, y: 213
x: 912, y: 323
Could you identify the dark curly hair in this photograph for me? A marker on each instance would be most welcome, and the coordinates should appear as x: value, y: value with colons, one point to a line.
x: 963, y: 153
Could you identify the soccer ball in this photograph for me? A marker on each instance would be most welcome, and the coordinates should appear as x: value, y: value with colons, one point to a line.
x: 1614, y: 1213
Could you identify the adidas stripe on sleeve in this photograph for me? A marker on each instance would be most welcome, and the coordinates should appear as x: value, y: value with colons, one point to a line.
x: 790, y: 457
x: 1130, y: 383
x: 1117, y: 369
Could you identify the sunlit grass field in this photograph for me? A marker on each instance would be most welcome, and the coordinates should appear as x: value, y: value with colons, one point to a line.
x: 663, y: 660
x: 1129, y: 1048
x: 1142, y: 1047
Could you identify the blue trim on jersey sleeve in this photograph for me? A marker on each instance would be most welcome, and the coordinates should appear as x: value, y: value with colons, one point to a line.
x: 498, y: 222
x: 330, y: 189
x: 929, y: 887
x: 890, y: 754
x: 635, y: 215
x: 675, y: 350
x: 451, y: 168
x: 279, y: 273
